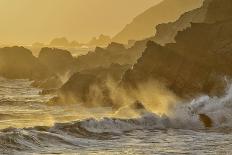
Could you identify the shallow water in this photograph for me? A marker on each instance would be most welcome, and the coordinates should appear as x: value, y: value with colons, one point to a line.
x: 30, y: 126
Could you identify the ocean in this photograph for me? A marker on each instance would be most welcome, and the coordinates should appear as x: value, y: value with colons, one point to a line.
x: 30, y: 125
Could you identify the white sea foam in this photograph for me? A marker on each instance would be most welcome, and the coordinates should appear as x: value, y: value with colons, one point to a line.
x: 81, y: 133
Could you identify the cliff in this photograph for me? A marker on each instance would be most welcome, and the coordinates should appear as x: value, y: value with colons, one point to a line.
x: 114, y: 53
x: 56, y: 60
x: 196, y: 64
x: 18, y: 62
x: 143, y: 25
x: 211, y: 11
x: 91, y: 87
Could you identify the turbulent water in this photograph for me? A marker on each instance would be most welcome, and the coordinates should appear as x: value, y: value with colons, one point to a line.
x: 31, y: 126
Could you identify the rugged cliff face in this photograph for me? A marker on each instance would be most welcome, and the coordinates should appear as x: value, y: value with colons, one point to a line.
x: 57, y: 60
x: 96, y: 72
x: 91, y: 87
x: 114, y: 53
x: 195, y: 64
x: 210, y: 12
x: 143, y: 25
x: 166, y: 32
x: 18, y: 62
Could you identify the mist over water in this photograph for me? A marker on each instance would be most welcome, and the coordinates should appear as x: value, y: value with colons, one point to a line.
x: 29, y: 124
x: 133, y: 93
x: 21, y: 105
x: 162, y: 85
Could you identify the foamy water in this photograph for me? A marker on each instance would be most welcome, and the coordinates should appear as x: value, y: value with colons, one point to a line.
x: 30, y: 126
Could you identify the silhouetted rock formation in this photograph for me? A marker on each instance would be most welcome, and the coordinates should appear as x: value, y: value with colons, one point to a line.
x: 95, y: 68
x: 143, y: 25
x: 196, y: 64
x: 101, y: 41
x: 59, y: 42
x: 90, y: 87
x: 114, y: 53
x: 199, y: 60
x: 166, y: 32
x: 63, y: 42
x: 18, y: 62
x: 210, y: 12
x: 57, y: 60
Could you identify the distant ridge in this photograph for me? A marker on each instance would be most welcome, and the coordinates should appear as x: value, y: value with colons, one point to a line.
x: 143, y: 25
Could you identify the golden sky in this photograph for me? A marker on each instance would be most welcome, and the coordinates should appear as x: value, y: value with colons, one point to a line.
x: 28, y: 21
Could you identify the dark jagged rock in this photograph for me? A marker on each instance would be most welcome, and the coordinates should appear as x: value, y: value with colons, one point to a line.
x: 57, y: 60
x: 182, y: 75
x: 18, y: 62
x: 209, y: 44
x: 97, y: 67
x: 197, y: 63
x: 194, y: 65
x: 85, y: 89
x: 166, y: 32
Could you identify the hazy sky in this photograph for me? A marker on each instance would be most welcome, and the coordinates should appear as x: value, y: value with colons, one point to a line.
x: 27, y: 21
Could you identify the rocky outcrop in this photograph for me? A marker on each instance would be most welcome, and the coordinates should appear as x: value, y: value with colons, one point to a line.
x: 114, y: 53
x: 207, y: 43
x: 196, y: 64
x: 64, y: 43
x: 18, y: 62
x: 101, y: 41
x: 90, y: 87
x: 57, y: 60
x: 166, y: 32
x: 211, y: 11
x: 143, y: 25
x: 199, y: 60
x: 95, y: 69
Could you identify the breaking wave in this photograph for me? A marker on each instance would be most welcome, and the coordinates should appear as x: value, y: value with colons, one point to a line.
x: 184, y: 116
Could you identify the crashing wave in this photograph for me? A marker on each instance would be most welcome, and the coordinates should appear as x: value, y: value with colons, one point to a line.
x: 183, y: 116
